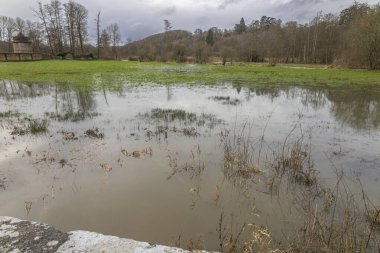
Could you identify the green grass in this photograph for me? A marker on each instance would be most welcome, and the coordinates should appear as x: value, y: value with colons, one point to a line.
x: 111, y: 74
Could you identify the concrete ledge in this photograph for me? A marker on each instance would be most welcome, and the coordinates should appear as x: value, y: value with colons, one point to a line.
x: 18, y: 236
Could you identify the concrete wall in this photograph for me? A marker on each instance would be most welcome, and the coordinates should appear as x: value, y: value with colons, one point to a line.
x: 18, y: 236
x: 20, y: 57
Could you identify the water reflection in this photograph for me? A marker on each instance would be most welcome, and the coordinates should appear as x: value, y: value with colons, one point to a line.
x: 358, y: 108
x: 353, y: 107
x: 69, y: 104
x: 11, y: 90
x: 72, y: 105
x: 215, y: 161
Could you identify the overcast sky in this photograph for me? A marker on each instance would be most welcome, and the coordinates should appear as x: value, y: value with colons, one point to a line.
x: 140, y: 18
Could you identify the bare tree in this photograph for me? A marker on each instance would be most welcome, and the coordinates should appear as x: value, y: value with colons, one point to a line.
x: 81, y: 23
x: 54, y: 9
x: 114, y: 33
x: 97, y: 21
x: 76, y: 23
x: 104, y: 42
x: 33, y: 31
x: 3, y: 29
x: 40, y: 13
x: 20, y: 25
x: 70, y: 24
x: 10, y: 27
x: 315, y: 36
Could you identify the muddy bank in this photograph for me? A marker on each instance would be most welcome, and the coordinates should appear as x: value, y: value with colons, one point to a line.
x: 25, y: 236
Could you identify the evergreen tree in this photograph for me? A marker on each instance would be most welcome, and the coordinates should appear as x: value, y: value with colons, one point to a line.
x: 241, y: 27
x: 210, y: 37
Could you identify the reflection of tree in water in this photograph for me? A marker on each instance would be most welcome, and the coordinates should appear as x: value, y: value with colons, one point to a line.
x: 313, y: 97
x: 358, y: 108
x: 270, y: 92
x: 73, y: 105
x: 70, y: 103
x: 11, y: 90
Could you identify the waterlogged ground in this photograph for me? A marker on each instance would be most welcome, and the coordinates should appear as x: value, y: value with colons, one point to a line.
x: 180, y: 165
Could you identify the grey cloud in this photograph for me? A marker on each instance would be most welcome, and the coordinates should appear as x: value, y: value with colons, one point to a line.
x: 304, y: 10
x: 225, y: 3
x: 169, y: 11
x: 202, y: 19
x: 140, y: 18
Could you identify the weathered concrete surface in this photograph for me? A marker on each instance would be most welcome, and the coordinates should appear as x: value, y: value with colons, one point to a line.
x: 24, y: 236
x: 18, y: 236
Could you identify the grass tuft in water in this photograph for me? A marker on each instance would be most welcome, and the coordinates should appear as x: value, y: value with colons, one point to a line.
x: 181, y: 116
x: 220, y: 98
x: 173, y: 115
x: 9, y: 114
x: 73, y: 117
x: 226, y: 100
x: 33, y: 126
x: 38, y: 126
x: 2, y: 182
x: 94, y: 133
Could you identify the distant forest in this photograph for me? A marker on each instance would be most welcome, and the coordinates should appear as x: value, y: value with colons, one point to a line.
x: 350, y: 39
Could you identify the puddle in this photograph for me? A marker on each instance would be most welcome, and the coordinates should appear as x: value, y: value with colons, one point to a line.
x: 171, y: 165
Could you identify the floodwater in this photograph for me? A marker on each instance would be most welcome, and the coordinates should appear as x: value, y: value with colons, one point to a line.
x: 149, y: 162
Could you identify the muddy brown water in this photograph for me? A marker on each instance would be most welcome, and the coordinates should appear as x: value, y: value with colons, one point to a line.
x: 158, y: 173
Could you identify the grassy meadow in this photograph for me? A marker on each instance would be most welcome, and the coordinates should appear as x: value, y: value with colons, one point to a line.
x: 91, y: 74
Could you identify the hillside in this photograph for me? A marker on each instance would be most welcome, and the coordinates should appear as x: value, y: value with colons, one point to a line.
x: 149, y: 48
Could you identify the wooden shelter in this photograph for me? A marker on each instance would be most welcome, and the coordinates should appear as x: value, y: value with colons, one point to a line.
x: 22, y: 44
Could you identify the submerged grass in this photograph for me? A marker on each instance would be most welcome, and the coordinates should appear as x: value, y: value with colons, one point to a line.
x: 23, y: 125
x: 71, y: 116
x: 181, y: 116
x: 94, y: 133
x: 172, y: 115
x: 2, y: 182
x: 226, y: 100
x: 9, y: 114
x: 90, y: 74
x: 330, y: 219
x: 38, y: 126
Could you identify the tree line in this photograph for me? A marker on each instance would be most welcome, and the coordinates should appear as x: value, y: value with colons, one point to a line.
x: 61, y: 30
x: 350, y: 38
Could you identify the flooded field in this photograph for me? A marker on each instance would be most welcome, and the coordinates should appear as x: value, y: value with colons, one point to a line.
x: 207, y: 167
